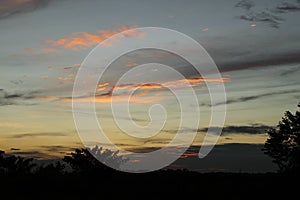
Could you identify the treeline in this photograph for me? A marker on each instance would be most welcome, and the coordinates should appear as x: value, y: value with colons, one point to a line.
x: 81, y: 161
x: 81, y: 176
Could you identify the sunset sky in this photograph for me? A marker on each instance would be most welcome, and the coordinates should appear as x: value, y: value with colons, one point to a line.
x: 255, y: 44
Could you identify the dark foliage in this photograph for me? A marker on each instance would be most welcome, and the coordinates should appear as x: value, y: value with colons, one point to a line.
x: 283, y: 144
x: 87, y: 160
x: 10, y: 164
x: 84, y: 177
x: 51, y: 169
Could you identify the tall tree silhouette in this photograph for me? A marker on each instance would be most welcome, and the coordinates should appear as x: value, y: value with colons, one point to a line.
x: 283, y: 144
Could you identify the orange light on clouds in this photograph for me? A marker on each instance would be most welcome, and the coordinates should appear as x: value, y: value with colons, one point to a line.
x: 172, y: 84
x: 130, y: 64
x: 102, y: 99
x: 187, y: 155
x: 82, y: 40
x: 139, y: 97
x: 253, y: 25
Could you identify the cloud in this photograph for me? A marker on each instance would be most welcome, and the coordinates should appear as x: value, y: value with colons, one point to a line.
x: 13, y: 7
x: 290, y: 71
x: 16, y: 98
x: 245, y: 4
x: 15, y: 149
x: 57, y: 148
x: 263, y: 16
x: 288, y: 6
x: 82, y: 40
x: 271, y: 15
x: 105, y: 91
x: 42, y: 134
x: 182, y: 83
x: 254, y: 97
x: 250, y: 129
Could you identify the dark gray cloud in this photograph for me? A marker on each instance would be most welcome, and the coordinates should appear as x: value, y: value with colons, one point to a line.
x: 12, y: 7
x: 245, y: 4
x: 245, y: 129
x: 271, y: 15
x: 288, y: 6
x: 250, y: 51
x: 42, y: 134
x: 250, y: 129
x: 16, y: 98
x: 15, y: 149
x: 57, y: 148
x: 290, y: 71
x: 258, y: 96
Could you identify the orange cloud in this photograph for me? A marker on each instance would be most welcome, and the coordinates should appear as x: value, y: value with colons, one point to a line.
x: 171, y: 84
x: 70, y: 75
x: 140, y: 97
x: 44, y: 77
x: 101, y: 99
x: 81, y: 40
x: 186, y: 155
x: 130, y: 64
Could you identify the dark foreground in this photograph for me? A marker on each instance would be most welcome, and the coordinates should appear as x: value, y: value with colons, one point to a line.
x: 155, y: 185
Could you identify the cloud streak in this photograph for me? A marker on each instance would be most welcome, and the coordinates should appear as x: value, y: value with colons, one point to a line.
x: 271, y: 15
x: 107, y: 94
x: 12, y: 7
x: 250, y: 129
x: 42, y: 134
x: 16, y: 98
x: 83, y: 40
x: 254, y: 97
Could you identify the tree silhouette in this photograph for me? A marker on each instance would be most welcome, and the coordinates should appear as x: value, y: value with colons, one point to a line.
x: 10, y: 164
x: 52, y: 169
x: 88, y: 160
x: 283, y: 144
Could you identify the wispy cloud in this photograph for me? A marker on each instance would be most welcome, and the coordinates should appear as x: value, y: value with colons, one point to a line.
x: 57, y: 148
x: 13, y: 7
x: 258, y: 96
x: 272, y: 16
x: 105, y: 91
x: 289, y: 6
x: 82, y: 40
x: 182, y: 83
x: 41, y: 134
x: 16, y: 98
x: 249, y: 129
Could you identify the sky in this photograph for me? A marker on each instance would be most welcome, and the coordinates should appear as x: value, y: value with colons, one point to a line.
x: 255, y: 45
